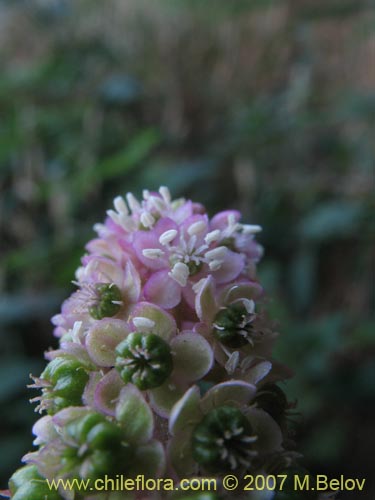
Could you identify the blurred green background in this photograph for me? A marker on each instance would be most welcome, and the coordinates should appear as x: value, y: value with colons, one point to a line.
x: 265, y: 106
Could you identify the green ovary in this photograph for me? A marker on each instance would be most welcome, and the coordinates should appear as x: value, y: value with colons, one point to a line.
x: 145, y: 360
x: 232, y: 326
x: 101, y: 448
x: 107, y: 301
x: 223, y: 440
x: 67, y: 379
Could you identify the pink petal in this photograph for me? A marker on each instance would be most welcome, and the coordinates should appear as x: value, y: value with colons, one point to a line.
x: 107, y: 392
x: 150, y: 239
x: 269, y: 434
x: 163, y: 398
x: 189, y: 295
x: 183, y: 212
x: 165, y: 324
x: 162, y: 290
x: 102, y: 339
x: 63, y: 417
x: 205, y: 303
x: 186, y: 412
x: 220, y: 220
x: 258, y: 372
x: 193, y: 356
x: 231, y: 267
x: 132, y: 283
x: 244, y: 289
x: 88, y: 393
x: 232, y: 392
x: 192, y: 220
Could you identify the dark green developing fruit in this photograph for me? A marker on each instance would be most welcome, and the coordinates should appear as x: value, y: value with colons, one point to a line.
x: 144, y: 359
x: 233, y: 325
x: 27, y: 484
x: 101, y: 449
x: 272, y: 400
x: 224, y: 440
x: 107, y: 301
x: 65, y: 380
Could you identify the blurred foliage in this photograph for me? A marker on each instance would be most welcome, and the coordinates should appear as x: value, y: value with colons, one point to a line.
x: 266, y: 106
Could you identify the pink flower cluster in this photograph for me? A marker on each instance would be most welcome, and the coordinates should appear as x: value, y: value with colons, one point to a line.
x: 165, y: 343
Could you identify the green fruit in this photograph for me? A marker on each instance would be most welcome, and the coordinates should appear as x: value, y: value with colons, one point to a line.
x: 78, y: 429
x: 223, y: 440
x: 68, y: 379
x: 106, y: 302
x: 27, y: 484
x: 144, y: 359
x: 22, y: 476
x: 104, y: 435
x: 233, y: 325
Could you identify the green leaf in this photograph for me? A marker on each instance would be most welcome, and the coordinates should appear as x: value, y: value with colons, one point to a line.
x: 125, y: 160
x: 336, y: 219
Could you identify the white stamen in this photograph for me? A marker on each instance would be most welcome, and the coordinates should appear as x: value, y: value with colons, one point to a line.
x: 158, y: 203
x: 146, y: 194
x: 249, y: 305
x: 82, y: 449
x: 122, y: 220
x: 231, y: 220
x: 218, y: 253
x: 142, y: 323
x: 212, y: 236
x: 232, y: 362
x: 196, y: 228
x: 180, y: 273
x: 120, y: 205
x: 166, y: 195
x: 233, y: 462
x: 168, y: 236
x: 246, y: 363
x: 249, y: 439
x: 215, y: 265
x: 155, y: 366
x: 147, y: 219
x: 99, y: 228
x: 251, y: 228
x: 133, y: 202
x: 76, y: 332
x: 197, y: 286
x: 152, y: 253
x: 237, y: 431
x: 114, y: 216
